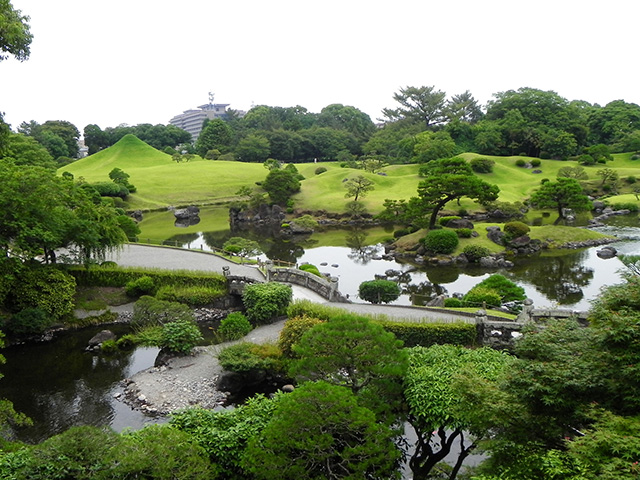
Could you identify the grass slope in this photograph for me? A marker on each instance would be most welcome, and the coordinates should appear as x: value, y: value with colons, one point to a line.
x: 161, y: 182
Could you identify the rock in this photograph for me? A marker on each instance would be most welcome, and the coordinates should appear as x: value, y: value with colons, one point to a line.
x: 392, y: 273
x: 437, y: 302
x: 190, y: 212
x: 136, y: 215
x: 488, y: 262
x: 495, y: 235
x: 100, y: 338
x: 460, y: 223
x: 519, y: 242
x: 607, y: 252
x: 537, y: 171
x: 288, y: 388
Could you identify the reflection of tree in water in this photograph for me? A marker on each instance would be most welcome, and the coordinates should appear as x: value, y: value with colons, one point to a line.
x: 181, y: 239
x: 361, y: 252
x: 558, y: 278
x: 421, y: 293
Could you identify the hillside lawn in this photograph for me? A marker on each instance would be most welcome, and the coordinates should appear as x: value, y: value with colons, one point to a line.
x: 161, y: 182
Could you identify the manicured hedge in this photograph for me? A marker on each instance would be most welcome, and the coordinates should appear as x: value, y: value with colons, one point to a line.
x: 427, y: 334
x: 110, y: 276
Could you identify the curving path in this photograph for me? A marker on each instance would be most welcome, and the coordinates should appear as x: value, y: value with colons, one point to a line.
x: 134, y: 255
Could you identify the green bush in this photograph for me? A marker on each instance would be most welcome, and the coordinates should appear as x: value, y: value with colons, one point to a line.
x: 30, y: 321
x: 180, y: 336
x: 478, y: 296
x: 234, y: 326
x: 194, y: 296
x: 452, y: 302
x: 475, y: 252
x: 114, y: 276
x: 379, y: 291
x: 535, y: 162
x: 401, y: 232
x: 520, y: 163
x: 631, y: 179
x: 149, y: 336
x: 506, y: 289
x: 306, y: 221
x: 632, y: 207
x: 293, y: 330
x: 482, y: 165
x: 635, y: 157
x: 151, y: 311
x: 444, y: 220
x: 515, y: 229
x: 307, y: 267
x: 463, y: 232
x: 320, y: 170
x: 140, y: 286
x: 264, y: 301
x: 427, y: 334
x: 440, y: 241
x: 46, y: 288
x: 246, y: 357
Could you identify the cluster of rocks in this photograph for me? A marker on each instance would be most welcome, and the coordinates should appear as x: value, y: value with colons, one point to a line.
x: 603, y: 212
x: 264, y: 215
x: 185, y: 217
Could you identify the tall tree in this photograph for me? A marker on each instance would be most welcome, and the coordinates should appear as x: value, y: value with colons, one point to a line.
x: 342, y: 117
x: 280, y: 184
x: 15, y: 37
x: 216, y: 135
x: 463, y: 108
x: 446, y: 180
x: 418, y: 104
x: 358, y: 187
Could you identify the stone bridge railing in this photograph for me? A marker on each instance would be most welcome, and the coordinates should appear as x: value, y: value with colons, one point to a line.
x: 325, y: 288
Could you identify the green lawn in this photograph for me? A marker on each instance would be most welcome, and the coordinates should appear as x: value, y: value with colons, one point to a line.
x: 161, y: 182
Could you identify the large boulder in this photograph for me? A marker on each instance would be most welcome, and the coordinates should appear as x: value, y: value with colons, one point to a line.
x: 460, y: 223
x: 607, y: 252
x: 495, y: 235
x: 99, y: 338
x: 183, y: 213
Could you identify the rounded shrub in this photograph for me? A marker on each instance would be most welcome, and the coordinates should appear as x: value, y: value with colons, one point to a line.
x: 482, y: 165
x: 140, y: 286
x: 401, y: 232
x: 515, y: 229
x: 264, y: 301
x: 631, y: 179
x: 520, y: 163
x: 635, y: 157
x: 441, y: 241
x: 379, y: 291
x: 234, y: 326
x: 247, y: 357
x: 292, y: 332
x: 180, y: 336
x: 505, y: 288
x: 307, y: 267
x: 463, y: 232
x: 30, y: 321
x: 479, y: 296
x: 320, y: 170
x: 475, y: 252
x: 452, y: 302
x: 535, y: 162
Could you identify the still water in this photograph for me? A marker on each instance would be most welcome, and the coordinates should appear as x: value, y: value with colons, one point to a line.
x: 59, y: 385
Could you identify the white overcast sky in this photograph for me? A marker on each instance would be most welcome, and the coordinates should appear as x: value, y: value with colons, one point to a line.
x: 144, y: 61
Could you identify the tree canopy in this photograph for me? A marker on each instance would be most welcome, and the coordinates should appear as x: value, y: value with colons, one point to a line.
x: 562, y: 194
x: 15, y: 34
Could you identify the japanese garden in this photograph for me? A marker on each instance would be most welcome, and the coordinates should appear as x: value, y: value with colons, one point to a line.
x: 158, y: 254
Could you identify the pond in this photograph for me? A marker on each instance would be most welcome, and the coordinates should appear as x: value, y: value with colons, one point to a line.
x: 59, y: 385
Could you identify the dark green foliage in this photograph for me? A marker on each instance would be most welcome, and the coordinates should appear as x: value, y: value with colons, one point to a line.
x: 475, y: 252
x: 114, y: 276
x: 320, y: 170
x: 631, y: 179
x: 280, y: 185
x: 520, y: 162
x: 140, y: 286
x: 151, y: 311
x: 379, y: 291
x: 427, y: 334
x: 307, y: 267
x: 480, y: 296
x: 463, y: 232
x: 224, y: 434
x: 508, y: 291
x: 234, y: 326
x: 111, y: 189
x: 631, y: 206
x: 293, y: 330
x: 452, y: 302
x: 30, y: 321
x: 265, y: 301
x: 535, y: 163
x: 320, y: 431
x: 586, y: 160
x: 180, y: 336
x: 194, y: 296
x: 443, y: 221
x: 440, y: 241
x: 48, y: 289
x: 401, y: 232
x: 246, y: 357
x: 482, y: 165
x: 515, y: 229
x: 564, y: 193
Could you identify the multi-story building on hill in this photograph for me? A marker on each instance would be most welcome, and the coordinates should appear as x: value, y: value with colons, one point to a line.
x: 191, y: 120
